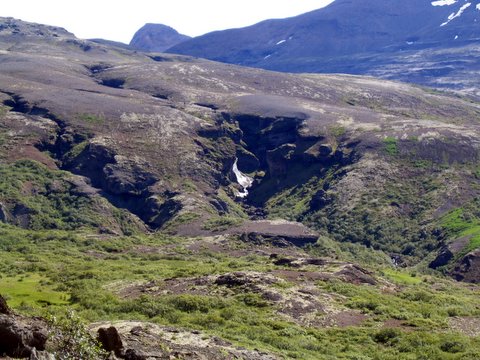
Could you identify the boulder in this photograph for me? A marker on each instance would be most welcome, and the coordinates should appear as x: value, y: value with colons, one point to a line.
x: 19, y: 336
x: 354, y: 274
x: 110, y: 340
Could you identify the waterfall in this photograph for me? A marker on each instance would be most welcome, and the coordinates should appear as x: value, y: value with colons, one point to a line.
x: 244, y: 180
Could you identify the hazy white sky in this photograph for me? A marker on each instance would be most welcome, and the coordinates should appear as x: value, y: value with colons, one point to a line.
x: 118, y: 20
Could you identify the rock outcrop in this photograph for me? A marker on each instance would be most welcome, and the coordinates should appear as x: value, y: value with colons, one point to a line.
x: 448, y: 252
x: 276, y: 232
x: 143, y: 341
x: 467, y: 268
x: 19, y: 336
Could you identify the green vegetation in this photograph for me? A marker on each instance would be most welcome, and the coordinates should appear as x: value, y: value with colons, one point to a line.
x: 42, y: 198
x: 391, y: 145
x: 221, y: 223
x: 337, y: 131
x: 31, y: 290
x: 402, y: 278
x: 88, y: 273
x: 464, y: 222
x: 71, y: 339
x: 76, y: 150
x: 93, y: 119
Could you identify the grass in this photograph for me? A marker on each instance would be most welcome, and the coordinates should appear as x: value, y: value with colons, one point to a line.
x: 402, y: 278
x: 31, y: 290
x: 391, y: 145
x: 84, y: 272
x: 48, y: 200
x: 93, y: 119
x: 462, y: 222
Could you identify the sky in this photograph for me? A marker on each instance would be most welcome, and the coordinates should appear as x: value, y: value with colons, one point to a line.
x: 119, y: 20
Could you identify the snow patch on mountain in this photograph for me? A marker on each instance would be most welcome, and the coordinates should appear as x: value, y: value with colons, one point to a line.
x: 458, y: 14
x: 443, y: 2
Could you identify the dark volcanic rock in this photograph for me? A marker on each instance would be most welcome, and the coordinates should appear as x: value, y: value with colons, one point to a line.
x: 356, y: 275
x: 468, y: 268
x: 4, y: 309
x: 156, y: 38
x: 19, y: 335
x: 110, y: 340
x: 448, y: 252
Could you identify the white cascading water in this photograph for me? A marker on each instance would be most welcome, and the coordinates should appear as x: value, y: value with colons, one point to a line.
x: 244, y: 180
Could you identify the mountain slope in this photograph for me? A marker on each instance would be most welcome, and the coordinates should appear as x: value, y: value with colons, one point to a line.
x: 358, y: 37
x: 156, y: 38
x: 119, y: 199
x: 157, y: 136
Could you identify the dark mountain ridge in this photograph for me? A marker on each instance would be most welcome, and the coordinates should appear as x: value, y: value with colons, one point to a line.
x: 372, y: 37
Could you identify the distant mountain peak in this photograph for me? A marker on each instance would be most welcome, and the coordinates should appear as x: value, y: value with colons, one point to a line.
x: 460, y: 7
x: 156, y: 38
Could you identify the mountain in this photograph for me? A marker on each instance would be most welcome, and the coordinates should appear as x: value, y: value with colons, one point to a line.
x: 156, y: 38
x: 123, y: 196
x: 432, y: 43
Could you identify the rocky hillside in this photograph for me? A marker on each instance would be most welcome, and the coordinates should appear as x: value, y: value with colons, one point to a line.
x: 156, y: 38
x: 422, y: 41
x: 119, y: 197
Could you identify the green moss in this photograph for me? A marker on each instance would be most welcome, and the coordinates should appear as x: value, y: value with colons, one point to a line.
x: 464, y: 222
x: 391, y: 145
x: 87, y: 271
x: 337, y: 131
x: 76, y: 150
x: 189, y: 186
x: 93, y: 119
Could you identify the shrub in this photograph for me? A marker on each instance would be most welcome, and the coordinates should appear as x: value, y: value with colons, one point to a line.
x: 388, y: 336
x: 71, y: 340
x: 452, y: 346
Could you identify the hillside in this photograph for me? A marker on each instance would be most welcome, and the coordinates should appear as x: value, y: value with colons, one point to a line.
x: 156, y: 38
x: 431, y: 43
x: 118, y: 198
